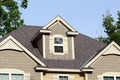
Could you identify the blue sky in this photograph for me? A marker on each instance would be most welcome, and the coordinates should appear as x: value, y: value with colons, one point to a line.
x: 83, y: 15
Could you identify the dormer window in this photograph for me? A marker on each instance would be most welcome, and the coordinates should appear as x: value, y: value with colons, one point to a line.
x: 58, y: 44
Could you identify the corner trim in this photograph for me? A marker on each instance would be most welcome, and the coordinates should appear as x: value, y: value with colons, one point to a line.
x: 73, y: 48
x: 86, y: 76
x: 43, y: 37
x: 41, y: 75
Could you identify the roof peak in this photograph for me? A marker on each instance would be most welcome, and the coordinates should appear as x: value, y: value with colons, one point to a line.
x: 60, y: 19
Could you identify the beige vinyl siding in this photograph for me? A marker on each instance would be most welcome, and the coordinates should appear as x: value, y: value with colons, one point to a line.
x: 108, y: 63
x: 70, y: 46
x: 18, y: 60
x: 54, y: 76
x: 58, y: 29
x: 47, y: 46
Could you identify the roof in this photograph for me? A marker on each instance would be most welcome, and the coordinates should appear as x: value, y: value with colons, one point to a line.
x: 85, y: 48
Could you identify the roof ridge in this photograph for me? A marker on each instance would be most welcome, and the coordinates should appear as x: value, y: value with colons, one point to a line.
x: 31, y: 26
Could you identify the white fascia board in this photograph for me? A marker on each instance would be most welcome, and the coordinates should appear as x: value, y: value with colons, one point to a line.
x: 64, y: 70
x: 87, y: 70
x: 22, y: 47
x: 43, y: 69
x: 89, y: 62
x: 72, y: 33
x: 45, y: 31
x: 58, y: 70
x: 58, y: 18
x: 73, y: 48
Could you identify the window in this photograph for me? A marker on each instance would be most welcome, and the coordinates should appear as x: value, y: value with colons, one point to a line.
x: 11, y: 76
x: 4, y: 76
x: 63, y: 77
x: 16, y: 76
x: 108, y: 78
x: 111, y: 78
x: 58, y: 44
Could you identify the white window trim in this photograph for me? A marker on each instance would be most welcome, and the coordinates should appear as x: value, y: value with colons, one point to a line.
x: 56, y: 53
x: 112, y: 74
x: 10, y: 74
x: 12, y: 71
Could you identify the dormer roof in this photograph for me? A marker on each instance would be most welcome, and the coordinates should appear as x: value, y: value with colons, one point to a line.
x: 61, y: 20
x: 46, y: 29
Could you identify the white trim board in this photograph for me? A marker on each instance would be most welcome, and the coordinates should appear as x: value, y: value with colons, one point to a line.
x: 58, y: 69
x: 17, y: 46
x: 43, y: 38
x: 112, y: 48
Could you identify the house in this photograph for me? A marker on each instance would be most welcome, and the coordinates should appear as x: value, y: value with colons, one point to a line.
x: 57, y: 52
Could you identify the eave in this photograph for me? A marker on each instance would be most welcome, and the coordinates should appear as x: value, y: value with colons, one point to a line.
x: 70, y: 33
x: 45, y: 31
x: 87, y: 70
x: 56, y: 70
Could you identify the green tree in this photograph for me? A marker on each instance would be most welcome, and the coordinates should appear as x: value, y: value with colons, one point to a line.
x: 111, y: 28
x: 10, y: 15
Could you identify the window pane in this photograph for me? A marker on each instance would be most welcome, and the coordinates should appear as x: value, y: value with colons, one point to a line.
x: 105, y: 78
x: 4, y: 77
x: 58, y: 40
x: 17, y: 76
x: 58, y: 49
x: 108, y: 78
x: 117, y: 78
x: 111, y: 78
x: 65, y: 77
x: 60, y: 77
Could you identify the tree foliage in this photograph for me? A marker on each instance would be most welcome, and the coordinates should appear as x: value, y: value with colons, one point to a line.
x: 10, y: 15
x: 111, y: 28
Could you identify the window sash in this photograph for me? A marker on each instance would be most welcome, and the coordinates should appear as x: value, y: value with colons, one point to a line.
x: 58, y: 46
x: 58, y: 49
x: 63, y: 77
x: 117, y: 78
x: 4, y: 76
x: 11, y: 76
x: 108, y: 77
x: 111, y: 77
x: 58, y: 40
x: 17, y: 77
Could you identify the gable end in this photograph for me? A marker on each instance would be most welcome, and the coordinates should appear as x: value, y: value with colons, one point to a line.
x: 11, y: 43
x: 59, y: 19
x: 113, y: 48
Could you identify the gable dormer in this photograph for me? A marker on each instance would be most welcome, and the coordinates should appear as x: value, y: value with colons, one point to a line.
x: 57, y: 40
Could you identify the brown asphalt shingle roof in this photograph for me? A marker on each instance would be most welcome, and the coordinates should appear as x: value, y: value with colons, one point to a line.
x: 85, y: 48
